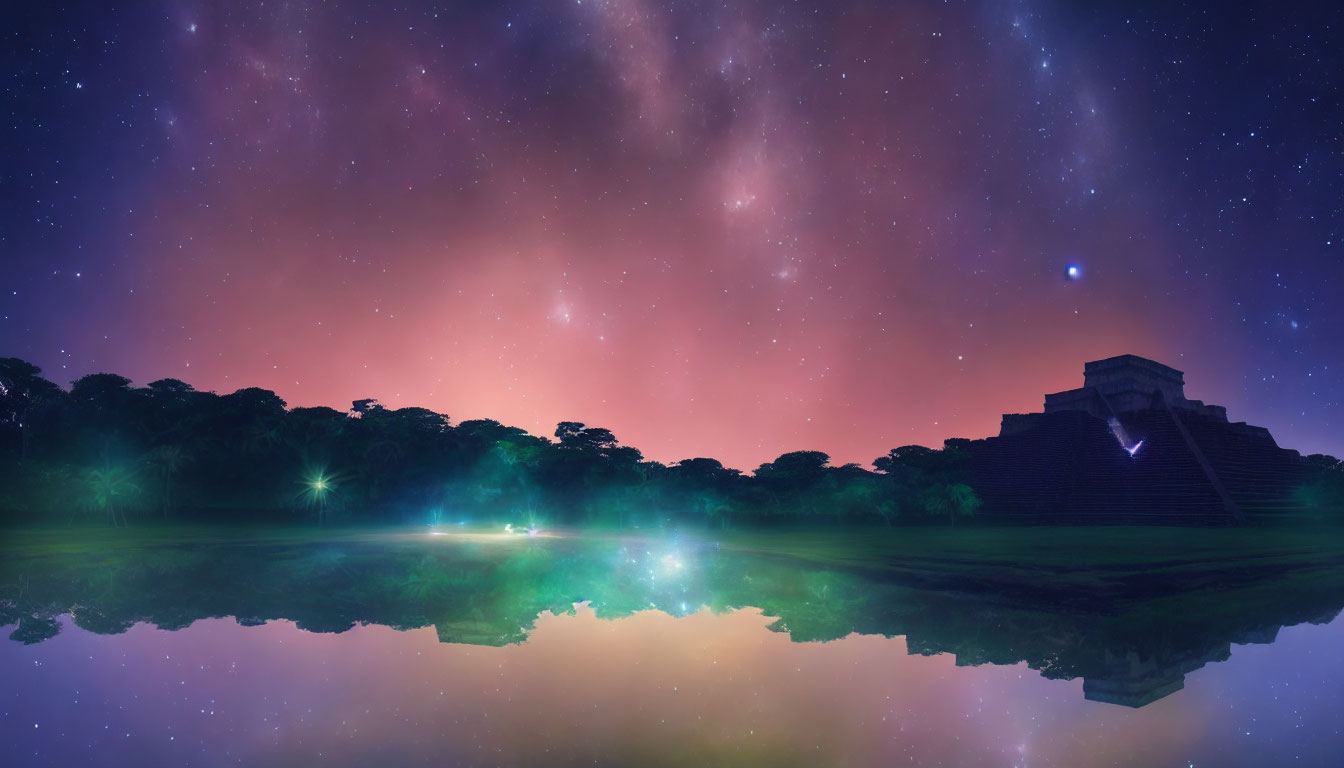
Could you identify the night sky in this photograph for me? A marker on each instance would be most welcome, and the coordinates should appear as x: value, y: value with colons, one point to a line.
x: 728, y: 229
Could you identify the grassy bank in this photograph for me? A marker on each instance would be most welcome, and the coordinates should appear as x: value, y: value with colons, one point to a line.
x: 1102, y: 558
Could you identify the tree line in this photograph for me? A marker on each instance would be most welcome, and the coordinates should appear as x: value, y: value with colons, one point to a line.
x: 105, y: 450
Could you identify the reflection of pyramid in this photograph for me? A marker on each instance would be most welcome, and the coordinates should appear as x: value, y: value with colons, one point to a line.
x: 1132, y: 692
x: 1129, y: 653
x: 1133, y: 681
x: 1128, y: 446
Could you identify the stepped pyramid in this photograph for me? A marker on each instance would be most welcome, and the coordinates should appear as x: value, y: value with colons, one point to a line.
x: 1129, y: 447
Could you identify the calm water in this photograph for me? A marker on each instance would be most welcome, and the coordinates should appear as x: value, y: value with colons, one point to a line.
x: 462, y: 653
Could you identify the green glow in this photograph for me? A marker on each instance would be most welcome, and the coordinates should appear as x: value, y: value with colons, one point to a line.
x: 318, y: 487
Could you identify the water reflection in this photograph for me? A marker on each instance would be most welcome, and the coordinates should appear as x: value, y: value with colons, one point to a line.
x: 646, y: 689
x: 1130, y: 646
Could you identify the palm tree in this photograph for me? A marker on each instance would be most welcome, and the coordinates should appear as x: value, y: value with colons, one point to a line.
x: 108, y: 486
x: 951, y: 499
x: 167, y: 460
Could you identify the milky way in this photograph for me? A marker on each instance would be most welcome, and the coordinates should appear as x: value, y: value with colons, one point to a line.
x: 717, y: 229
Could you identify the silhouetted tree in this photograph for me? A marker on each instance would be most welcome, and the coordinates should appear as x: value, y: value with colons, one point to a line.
x: 110, y: 488
x: 954, y: 500
x: 573, y: 434
x: 209, y: 456
x: 23, y: 393
x: 167, y: 461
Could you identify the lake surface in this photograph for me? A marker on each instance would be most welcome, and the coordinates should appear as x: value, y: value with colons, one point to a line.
x: 624, y: 650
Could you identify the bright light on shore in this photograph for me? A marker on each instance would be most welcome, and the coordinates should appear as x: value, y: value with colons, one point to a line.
x: 492, y: 536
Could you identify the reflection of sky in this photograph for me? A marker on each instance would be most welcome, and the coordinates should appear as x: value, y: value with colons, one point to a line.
x: 648, y: 689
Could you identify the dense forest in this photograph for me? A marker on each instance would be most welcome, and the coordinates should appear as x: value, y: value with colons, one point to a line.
x: 105, y: 451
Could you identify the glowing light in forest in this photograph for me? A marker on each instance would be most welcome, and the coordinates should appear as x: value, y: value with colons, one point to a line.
x: 318, y: 485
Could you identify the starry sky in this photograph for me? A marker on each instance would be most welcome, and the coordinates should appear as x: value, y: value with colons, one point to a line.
x: 724, y: 229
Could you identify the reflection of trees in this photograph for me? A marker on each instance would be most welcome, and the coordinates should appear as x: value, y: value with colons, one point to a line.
x: 1131, y: 644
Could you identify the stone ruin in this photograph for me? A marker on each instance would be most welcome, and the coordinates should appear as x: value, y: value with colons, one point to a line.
x: 1129, y: 446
